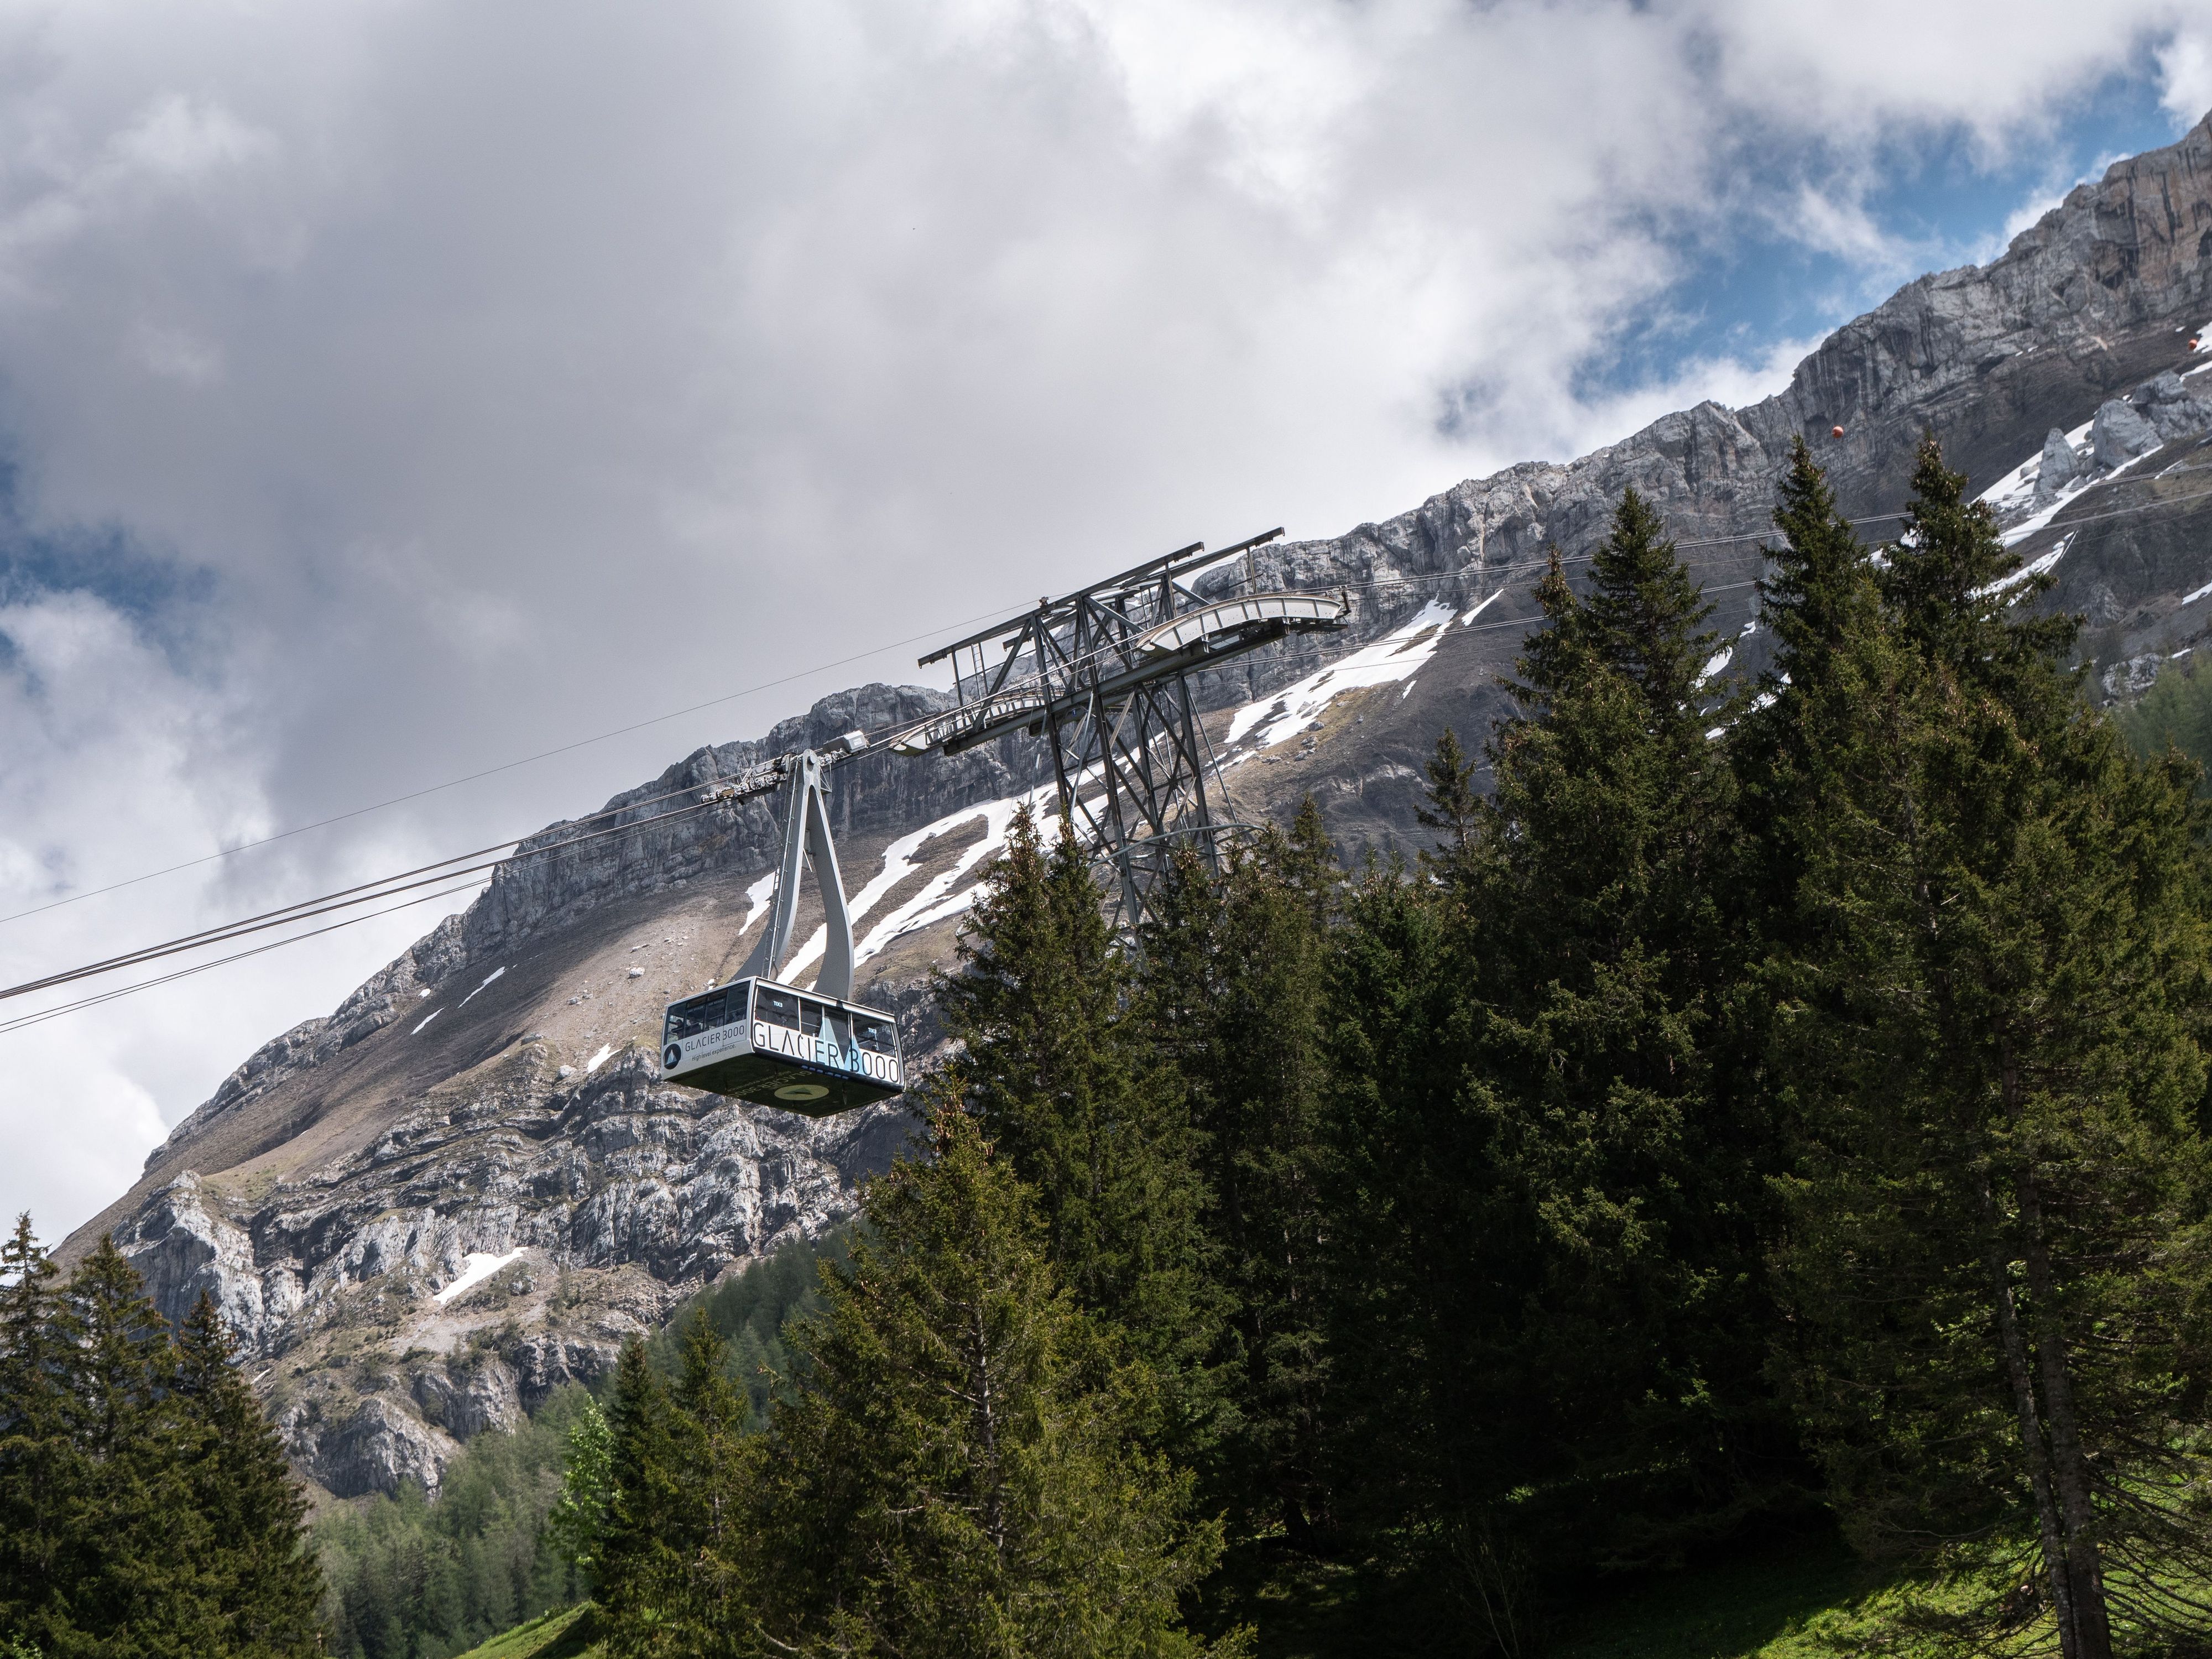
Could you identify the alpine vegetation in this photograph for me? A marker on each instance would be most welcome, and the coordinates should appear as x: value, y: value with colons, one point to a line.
x: 145, y: 1506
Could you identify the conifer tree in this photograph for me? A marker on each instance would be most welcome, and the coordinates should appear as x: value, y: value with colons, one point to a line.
x: 258, y: 1586
x: 1455, y: 799
x: 124, y: 1587
x: 1643, y: 621
x: 1607, y: 970
x: 642, y: 1567
x: 145, y: 1505
x: 1823, y: 606
x: 1557, y: 1181
x: 957, y: 1473
x: 717, y: 1463
x: 1059, y: 1070
x: 1428, y: 1268
x: 1999, y: 1243
x: 34, y: 1439
x: 1235, y: 977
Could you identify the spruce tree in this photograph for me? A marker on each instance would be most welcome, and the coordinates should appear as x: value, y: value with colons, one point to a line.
x: 717, y: 1471
x: 1821, y: 602
x: 124, y: 1587
x: 1433, y: 1416
x: 1556, y: 1178
x: 642, y: 1570
x: 35, y: 1453
x: 1058, y: 1067
x: 1998, y: 1248
x: 1592, y: 918
x: 257, y: 1584
x: 1234, y: 978
x: 957, y: 1473
x: 1643, y: 621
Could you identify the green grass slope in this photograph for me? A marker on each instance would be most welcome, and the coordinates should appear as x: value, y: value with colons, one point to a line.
x: 564, y: 1635
x: 1811, y: 1600
x: 1805, y: 1597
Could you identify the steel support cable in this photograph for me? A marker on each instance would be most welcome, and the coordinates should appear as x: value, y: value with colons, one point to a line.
x: 385, y: 882
x: 504, y: 766
x: 267, y: 920
x: 43, y: 1014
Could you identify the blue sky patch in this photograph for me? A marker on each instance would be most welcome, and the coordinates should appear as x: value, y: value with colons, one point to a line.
x: 167, y: 600
x: 1934, y: 203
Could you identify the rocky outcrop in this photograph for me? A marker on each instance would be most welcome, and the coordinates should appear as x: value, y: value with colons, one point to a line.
x: 379, y: 1445
x: 466, y: 1186
x: 485, y: 1395
x: 607, y: 1194
x: 2056, y: 468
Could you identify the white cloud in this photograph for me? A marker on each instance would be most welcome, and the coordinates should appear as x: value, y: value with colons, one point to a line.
x: 177, y: 139
x: 177, y: 355
x: 109, y: 757
x: 2185, y: 68
x: 1730, y: 381
x: 1853, y: 69
x: 515, y: 372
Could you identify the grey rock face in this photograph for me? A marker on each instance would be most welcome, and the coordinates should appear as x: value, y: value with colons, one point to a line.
x: 429, y: 961
x: 2160, y: 390
x: 376, y: 1449
x: 614, y: 1193
x: 2133, y: 677
x: 185, y: 1247
x: 544, y: 1364
x: 2160, y: 411
x: 2120, y: 432
x: 2104, y: 605
x: 2057, y: 469
x: 2172, y: 409
x: 484, y: 1396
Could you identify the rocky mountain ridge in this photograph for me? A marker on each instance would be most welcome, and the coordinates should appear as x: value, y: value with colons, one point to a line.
x: 490, y: 1104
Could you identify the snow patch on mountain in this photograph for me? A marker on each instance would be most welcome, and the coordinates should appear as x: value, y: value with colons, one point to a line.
x: 945, y: 894
x: 1398, y: 655
x: 492, y: 975
x: 476, y: 1268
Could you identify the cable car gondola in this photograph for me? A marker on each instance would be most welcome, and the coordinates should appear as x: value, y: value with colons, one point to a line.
x: 756, y: 1039
x: 778, y: 1046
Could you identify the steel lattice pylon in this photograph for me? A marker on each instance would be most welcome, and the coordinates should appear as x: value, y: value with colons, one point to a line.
x: 1103, y: 675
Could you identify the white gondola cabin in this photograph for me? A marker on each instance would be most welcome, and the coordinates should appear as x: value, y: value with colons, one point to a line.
x: 776, y: 1046
x: 759, y: 1040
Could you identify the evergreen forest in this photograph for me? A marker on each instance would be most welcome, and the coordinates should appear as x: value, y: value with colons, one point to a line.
x: 1761, y: 1118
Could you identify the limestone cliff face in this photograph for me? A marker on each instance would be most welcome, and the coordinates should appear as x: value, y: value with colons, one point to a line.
x: 467, y: 1184
x: 597, y: 1197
